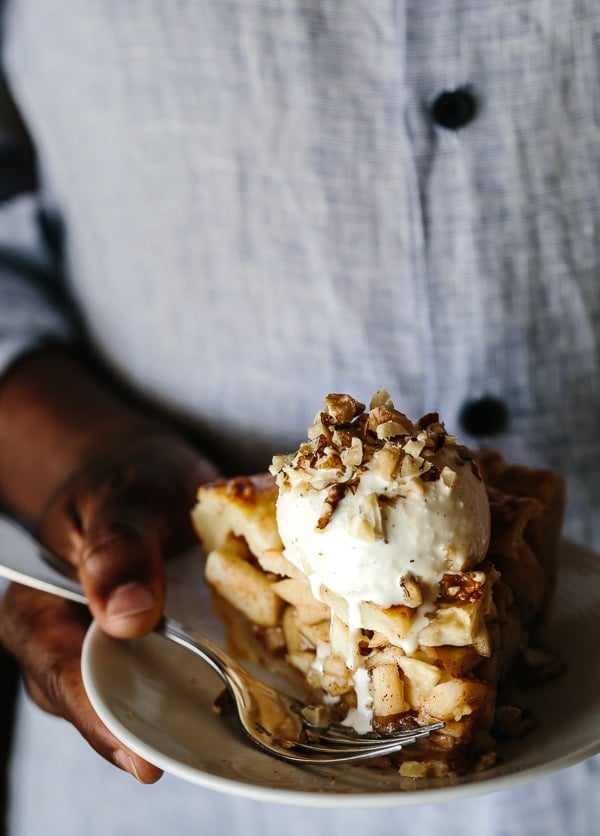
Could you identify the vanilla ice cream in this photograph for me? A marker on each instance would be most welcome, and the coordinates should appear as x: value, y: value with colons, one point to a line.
x: 376, y: 508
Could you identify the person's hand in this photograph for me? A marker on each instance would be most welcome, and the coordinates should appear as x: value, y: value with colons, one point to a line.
x: 114, y: 520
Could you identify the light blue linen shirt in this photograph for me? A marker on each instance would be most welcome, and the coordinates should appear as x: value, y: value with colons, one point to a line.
x: 255, y: 206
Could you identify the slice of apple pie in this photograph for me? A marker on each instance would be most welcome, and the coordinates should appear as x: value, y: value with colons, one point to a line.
x: 393, y: 570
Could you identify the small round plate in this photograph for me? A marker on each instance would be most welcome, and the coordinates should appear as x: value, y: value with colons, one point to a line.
x: 157, y: 698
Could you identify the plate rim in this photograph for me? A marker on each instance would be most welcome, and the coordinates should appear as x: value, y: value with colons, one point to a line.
x: 470, y: 786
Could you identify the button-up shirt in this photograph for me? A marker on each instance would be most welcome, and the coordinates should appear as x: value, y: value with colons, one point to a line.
x: 246, y: 204
x: 255, y: 205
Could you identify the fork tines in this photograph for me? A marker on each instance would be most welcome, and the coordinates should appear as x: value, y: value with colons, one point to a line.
x: 340, y: 733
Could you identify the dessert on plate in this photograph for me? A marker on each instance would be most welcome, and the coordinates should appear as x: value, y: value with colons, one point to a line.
x: 403, y: 578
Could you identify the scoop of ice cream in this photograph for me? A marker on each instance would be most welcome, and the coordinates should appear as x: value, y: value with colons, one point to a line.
x: 377, y: 508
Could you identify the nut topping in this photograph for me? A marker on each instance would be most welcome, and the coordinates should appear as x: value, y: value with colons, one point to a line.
x: 345, y: 440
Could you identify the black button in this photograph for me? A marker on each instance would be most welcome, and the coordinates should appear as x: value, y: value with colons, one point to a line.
x: 454, y: 109
x: 484, y: 416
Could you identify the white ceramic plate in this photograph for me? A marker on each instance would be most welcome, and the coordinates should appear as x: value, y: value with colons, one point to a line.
x: 157, y: 698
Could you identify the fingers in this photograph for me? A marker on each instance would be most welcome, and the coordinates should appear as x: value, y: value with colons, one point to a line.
x: 45, y: 634
x: 116, y: 520
x: 118, y: 555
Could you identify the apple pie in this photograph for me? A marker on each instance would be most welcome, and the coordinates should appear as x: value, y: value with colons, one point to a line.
x: 398, y: 575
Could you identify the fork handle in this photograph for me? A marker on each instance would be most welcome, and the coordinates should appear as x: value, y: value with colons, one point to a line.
x: 221, y: 662
x: 27, y: 561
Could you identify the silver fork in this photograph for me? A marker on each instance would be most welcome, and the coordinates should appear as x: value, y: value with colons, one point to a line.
x: 275, y: 721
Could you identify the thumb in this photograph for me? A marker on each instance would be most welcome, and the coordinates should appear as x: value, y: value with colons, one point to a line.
x: 121, y: 569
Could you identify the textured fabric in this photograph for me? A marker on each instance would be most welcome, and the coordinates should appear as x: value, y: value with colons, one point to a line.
x: 259, y: 209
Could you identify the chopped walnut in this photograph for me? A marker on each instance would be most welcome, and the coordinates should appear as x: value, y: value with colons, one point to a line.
x: 352, y: 455
x: 463, y: 587
x: 343, y: 408
x: 414, y: 447
x: 426, y: 420
x: 390, y: 429
x: 386, y: 461
x: 410, y: 467
x: 379, y: 415
x: 368, y: 523
x: 334, y: 495
x: 412, y: 591
x: 448, y: 476
x: 430, y: 474
x: 330, y: 459
x: 396, y: 422
x: 319, y: 429
x: 380, y: 398
x: 279, y: 462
